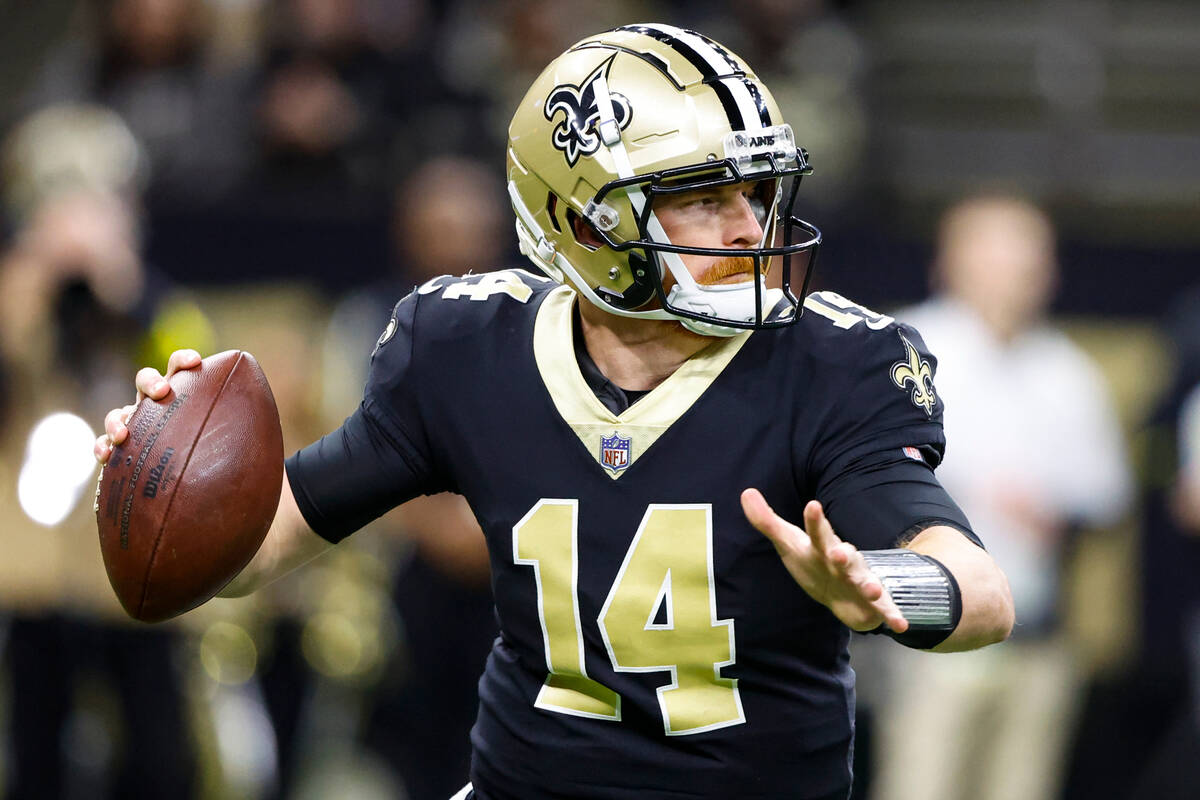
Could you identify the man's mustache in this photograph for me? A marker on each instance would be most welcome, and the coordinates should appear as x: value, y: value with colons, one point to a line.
x: 728, y: 267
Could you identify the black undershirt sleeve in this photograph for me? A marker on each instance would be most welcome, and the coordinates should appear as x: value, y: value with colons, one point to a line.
x: 353, y: 475
x: 885, y: 498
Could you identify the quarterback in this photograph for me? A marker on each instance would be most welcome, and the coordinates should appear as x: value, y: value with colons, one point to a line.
x: 694, y: 480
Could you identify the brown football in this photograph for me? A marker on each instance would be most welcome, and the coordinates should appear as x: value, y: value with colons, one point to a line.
x: 185, y: 501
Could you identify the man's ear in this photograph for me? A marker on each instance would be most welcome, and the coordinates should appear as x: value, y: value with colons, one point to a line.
x: 584, y: 233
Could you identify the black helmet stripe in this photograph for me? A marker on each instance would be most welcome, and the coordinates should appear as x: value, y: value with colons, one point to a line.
x: 764, y: 114
x: 740, y: 98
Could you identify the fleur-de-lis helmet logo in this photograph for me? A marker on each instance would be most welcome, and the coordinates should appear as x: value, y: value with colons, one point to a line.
x: 915, y: 370
x: 576, y: 133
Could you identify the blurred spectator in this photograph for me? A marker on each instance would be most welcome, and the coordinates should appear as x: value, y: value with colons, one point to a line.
x: 449, y: 218
x: 351, y: 96
x: 152, y: 62
x: 1035, y: 453
x: 493, y: 52
x: 1183, y: 410
x: 1159, y: 704
x: 96, y: 707
x: 346, y: 97
x: 321, y: 102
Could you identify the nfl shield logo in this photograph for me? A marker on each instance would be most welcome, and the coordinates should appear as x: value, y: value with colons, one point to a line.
x: 614, y: 452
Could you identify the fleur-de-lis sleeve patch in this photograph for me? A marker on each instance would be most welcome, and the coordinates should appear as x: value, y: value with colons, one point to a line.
x: 912, y: 369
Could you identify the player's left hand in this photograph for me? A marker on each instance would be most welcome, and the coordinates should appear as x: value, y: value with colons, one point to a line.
x: 833, y: 572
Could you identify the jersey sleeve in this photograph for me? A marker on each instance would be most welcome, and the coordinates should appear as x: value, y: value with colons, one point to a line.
x: 873, y: 460
x: 886, y: 497
x: 380, y: 456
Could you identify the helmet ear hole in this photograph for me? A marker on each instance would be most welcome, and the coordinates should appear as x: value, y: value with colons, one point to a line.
x: 551, y: 208
x: 584, y: 233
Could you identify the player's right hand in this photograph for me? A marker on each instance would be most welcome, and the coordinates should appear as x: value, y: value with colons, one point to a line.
x: 150, y: 383
x: 831, y: 571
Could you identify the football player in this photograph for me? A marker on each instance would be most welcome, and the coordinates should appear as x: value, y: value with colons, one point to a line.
x: 694, y: 483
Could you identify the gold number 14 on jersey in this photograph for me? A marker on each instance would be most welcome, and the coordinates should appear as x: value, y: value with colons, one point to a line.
x: 660, y: 616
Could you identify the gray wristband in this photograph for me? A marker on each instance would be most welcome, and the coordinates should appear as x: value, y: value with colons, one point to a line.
x: 925, y: 592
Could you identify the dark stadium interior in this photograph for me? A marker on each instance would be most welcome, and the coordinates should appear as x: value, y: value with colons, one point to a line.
x: 271, y: 204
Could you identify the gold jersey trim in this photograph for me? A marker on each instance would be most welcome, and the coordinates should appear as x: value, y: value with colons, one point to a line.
x: 645, y: 420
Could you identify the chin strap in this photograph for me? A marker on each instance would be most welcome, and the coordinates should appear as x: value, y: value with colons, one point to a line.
x: 737, y: 298
x: 727, y: 302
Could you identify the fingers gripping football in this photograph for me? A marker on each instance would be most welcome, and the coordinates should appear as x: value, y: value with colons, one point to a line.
x: 830, y: 570
x: 150, y: 383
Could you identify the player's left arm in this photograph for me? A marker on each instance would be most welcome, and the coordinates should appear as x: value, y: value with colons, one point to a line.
x: 836, y: 574
x: 987, y: 604
x: 872, y: 465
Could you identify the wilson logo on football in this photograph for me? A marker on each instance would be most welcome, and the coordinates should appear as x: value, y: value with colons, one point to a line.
x: 576, y: 134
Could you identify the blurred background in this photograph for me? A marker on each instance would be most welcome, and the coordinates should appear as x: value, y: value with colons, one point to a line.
x: 1019, y: 179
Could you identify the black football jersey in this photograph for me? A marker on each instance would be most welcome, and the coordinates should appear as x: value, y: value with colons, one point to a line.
x: 652, y: 643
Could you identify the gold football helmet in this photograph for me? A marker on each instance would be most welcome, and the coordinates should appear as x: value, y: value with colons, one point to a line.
x: 641, y: 111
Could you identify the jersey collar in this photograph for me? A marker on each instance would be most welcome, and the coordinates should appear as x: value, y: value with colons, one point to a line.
x: 615, y: 441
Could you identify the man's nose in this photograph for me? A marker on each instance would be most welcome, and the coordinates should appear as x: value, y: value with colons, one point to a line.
x: 742, y: 225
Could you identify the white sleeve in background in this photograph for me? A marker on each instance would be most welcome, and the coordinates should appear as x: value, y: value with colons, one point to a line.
x: 1094, y: 477
x: 1189, y: 433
